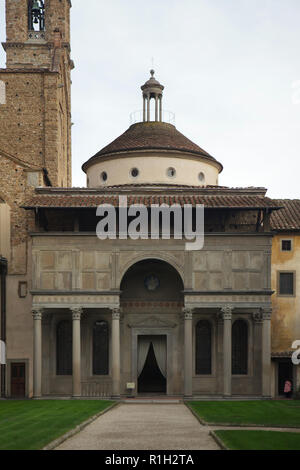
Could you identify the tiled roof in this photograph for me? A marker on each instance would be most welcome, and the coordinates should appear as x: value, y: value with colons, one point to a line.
x: 151, y: 136
x: 86, y: 198
x: 287, y: 218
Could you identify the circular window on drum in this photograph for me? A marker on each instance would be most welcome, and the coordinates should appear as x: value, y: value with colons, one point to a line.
x: 103, y: 176
x: 201, y: 177
x: 171, y: 172
x: 134, y: 172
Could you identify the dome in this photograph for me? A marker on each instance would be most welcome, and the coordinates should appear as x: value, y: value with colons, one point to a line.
x: 151, y: 136
x: 152, y: 152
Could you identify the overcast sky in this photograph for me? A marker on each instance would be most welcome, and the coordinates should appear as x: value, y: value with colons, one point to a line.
x: 231, y: 72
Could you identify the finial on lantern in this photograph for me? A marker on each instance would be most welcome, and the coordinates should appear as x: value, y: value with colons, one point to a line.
x: 152, y: 73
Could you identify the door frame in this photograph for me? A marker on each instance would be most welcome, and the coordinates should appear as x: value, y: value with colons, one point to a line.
x: 154, y: 331
x: 278, y: 362
x: 8, y: 368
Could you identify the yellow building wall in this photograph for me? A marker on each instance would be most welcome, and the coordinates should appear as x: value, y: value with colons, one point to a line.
x: 286, y: 310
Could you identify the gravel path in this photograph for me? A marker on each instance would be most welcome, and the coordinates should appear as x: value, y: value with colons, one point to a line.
x: 144, y: 427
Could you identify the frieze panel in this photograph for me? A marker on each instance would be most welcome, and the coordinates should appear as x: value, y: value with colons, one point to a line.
x: 225, y: 299
x: 66, y: 300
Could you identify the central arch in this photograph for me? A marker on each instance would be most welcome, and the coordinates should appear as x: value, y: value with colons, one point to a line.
x: 151, y: 299
x: 143, y: 257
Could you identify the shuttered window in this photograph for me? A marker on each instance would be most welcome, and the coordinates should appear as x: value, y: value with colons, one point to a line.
x: 203, y: 347
x: 240, y: 348
x: 100, y: 348
x: 64, y: 348
x: 286, y: 283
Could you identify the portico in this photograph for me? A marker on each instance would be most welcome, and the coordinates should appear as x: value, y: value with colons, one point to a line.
x: 126, y: 328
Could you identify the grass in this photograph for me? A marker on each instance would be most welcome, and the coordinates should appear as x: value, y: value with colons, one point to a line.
x: 260, y: 440
x: 261, y: 413
x: 30, y: 425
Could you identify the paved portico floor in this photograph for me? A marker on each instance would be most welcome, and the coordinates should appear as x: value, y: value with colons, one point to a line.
x: 144, y: 427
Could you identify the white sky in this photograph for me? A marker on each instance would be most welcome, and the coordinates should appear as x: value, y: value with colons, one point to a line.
x: 231, y: 72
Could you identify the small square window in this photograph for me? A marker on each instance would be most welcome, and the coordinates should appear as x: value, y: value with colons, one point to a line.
x: 286, y: 283
x: 286, y: 245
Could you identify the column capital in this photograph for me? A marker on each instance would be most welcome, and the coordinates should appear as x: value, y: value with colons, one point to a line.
x: 187, y: 313
x: 266, y: 313
x: 37, y: 313
x: 116, y: 313
x: 76, y: 313
x: 226, y: 312
x: 257, y: 317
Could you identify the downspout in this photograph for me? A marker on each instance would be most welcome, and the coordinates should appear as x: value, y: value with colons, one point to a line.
x: 3, y: 274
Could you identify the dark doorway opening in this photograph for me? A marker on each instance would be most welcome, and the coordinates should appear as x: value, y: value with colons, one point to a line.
x: 285, y: 372
x: 18, y: 380
x: 151, y: 380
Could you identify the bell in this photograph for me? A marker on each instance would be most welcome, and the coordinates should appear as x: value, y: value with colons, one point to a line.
x: 35, y: 9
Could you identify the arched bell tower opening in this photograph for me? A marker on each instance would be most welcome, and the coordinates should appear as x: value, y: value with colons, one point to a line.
x: 36, y: 15
x: 151, y: 299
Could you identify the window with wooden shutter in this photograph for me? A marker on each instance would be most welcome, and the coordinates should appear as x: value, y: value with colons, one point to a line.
x: 286, y: 283
x: 203, y: 347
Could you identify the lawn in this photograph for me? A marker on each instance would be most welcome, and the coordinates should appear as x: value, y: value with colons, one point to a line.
x: 263, y: 413
x: 260, y: 440
x: 30, y: 425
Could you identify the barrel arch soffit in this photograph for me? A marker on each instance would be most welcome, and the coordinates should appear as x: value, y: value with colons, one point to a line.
x: 146, y: 257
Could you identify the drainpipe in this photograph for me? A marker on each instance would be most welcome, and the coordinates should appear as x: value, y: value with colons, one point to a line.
x: 3, y: 273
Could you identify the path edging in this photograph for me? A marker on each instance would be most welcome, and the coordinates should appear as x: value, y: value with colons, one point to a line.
x: 201, y: 421
x: 238, y: 425
x: 218, y: 440
x: 52, y: 445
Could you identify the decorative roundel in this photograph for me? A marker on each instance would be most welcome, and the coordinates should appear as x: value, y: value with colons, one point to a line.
x: 152, y: 282
x: 201, y: 177
x: 171, y: 172
x: 104, y: 176
x: 134, y: 172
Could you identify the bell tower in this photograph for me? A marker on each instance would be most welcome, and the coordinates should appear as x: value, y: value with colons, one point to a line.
x: 31, y: 31
x: 35, y: 108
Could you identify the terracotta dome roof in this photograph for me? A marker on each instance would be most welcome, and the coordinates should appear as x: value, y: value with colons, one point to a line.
x: 151, y: 136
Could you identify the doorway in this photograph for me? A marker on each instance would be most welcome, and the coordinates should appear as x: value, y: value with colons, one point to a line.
x: 18, y: 380
x: 285, y: 372
x: 152, y: 364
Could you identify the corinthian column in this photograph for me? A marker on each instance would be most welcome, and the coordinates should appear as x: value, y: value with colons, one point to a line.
x: 116, y: 366
x: 37, y: 352
x: 266, y: 352
x: 76, y: 358
x: 188, y: 352
x: 227, y: 348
